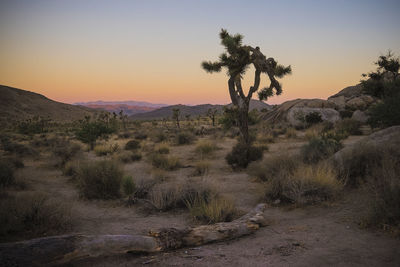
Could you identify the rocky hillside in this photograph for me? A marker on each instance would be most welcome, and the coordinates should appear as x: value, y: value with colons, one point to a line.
x: 193, y: 111
x: 349, y: 102
x: 17, y: 104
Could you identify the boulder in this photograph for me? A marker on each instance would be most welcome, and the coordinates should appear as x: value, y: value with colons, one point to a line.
x: 295, y: 116
x: 360, y: 102
x: 338, y: 101
x: 349, y: 92
x: 360, y: 116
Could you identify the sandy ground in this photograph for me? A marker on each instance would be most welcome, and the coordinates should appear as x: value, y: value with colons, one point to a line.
x: 314, y: 236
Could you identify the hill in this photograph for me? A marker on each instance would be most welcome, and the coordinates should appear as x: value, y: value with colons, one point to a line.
x: 127, y: 109
x: 193, y: 111
x: 18, y: 104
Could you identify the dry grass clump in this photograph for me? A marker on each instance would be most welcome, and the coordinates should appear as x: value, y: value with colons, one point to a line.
x: 184, y: 138
x: 168, y: 163
x: 205, y: 148
x: 291, y: 133
x: 214, y: 210
x: 100, y: 179
x: 162, y: 148
x: 304, y: 185
x: 384, y: 195
x: 105, y: 149
x: 29, y: 215
x: 348, y: 127
x: 278, y: 165
x: 128, y: 156
x: 201, y: 167
x: 64, y: 151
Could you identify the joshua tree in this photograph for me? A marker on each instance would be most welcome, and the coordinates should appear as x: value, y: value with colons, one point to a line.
x: 175, y: 116
x: 211, y: 112
x: 236, y: 59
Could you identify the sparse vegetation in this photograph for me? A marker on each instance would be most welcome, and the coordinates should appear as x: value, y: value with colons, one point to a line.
x: 128, y: 185
x: 184, y: 138
x: 6, y: 173
x: 132, y: 145
x: 105, y: 149
x: 168, y: 163
x: 201, y: 167
x: 205, y: 148
x: 241, y: 155
x: 319, y: 148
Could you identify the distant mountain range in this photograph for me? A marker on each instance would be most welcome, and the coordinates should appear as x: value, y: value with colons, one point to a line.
x: 193, y: 111
x: 128, y: 107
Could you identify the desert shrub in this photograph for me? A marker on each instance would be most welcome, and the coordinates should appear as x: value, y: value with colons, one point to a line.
x: 313, y: 118
x: 105, y: 149
x: 266, y: 138
x: 100, y: 180
x: 291, y: 133
x: 346, y: 113
x: 386, y: 113
x: 128, y: 185
x: 6, y: 173
x: 273, y: 167
x: 167, y: 196
x: 124, y: 134
x: 348, y: 127
x: 129, y: 156
x: 132, y: 145
x: 143, y: 186
x: 30, y: 215
x: 159, y: 175
x: 140, y: 136
x: 159, y: 136
x: 71, y: 168
x: 168, y: 163
x: 162, y: 148
x: 205, y: 148
x: 319, y: 148
x: 64, y: 151
x: 304, y: 185
x: 217, y: 209
x: 16, y: 148
x: 201, y: 167
x: 14, y: 160
x: 384, y: 194
x: 356, y: 164
x: 32, y: 126
x: 241, y: 155
x: 89, y: 131
x: 184, y: 138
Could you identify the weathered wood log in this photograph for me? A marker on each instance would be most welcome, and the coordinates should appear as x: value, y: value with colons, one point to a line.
x: 66, y: 248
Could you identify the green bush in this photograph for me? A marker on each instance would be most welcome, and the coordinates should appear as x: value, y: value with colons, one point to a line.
x: 241, y: 155
x: 100, y: 180
x: 128, y: 185
x: 132, y: 145
x: 89, y: 131
x: 386, y: 113
x: 319, y: 148
x: 313, y: 118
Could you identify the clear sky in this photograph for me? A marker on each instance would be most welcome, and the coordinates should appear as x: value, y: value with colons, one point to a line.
x: 82, y: 50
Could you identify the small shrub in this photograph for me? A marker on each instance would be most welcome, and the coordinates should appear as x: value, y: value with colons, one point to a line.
x: 205, y: 148
x: 129, y: 156
x: 140, y: 136
x: 168, y: 163
x: 384, y: 194
x: 162, y: 149
x: 132, y: 145
x: 348, y: 127
x: 241, y: 155
x: 275, y: 166
x: 184, y: 138
x: 159, y: 136
x: 319, y: 148
x: 100, y: 180
x: 64, y: 151
x: 313, y: 118
x: 103, y: 150
x: 31, y: 215
x: 218, y: 209
x: 305, y: 185
x: 71, y: 168
x: 291, y: 133
x: 201, y: 167
x: 6, y: 173
x: 128, y: 185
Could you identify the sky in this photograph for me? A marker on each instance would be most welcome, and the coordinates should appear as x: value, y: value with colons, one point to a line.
x: 149, y: 50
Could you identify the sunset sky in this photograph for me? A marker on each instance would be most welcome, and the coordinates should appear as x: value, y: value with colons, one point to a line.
x: 86, y: 50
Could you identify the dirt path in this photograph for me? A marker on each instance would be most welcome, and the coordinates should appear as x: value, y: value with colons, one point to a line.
x: 316, y: 236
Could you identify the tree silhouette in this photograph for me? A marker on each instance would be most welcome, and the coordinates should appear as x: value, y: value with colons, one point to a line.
x: 176, y: 112
x: 236, y: 59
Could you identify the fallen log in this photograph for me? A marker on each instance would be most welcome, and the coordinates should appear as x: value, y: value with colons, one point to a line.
x: 67, y: 248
